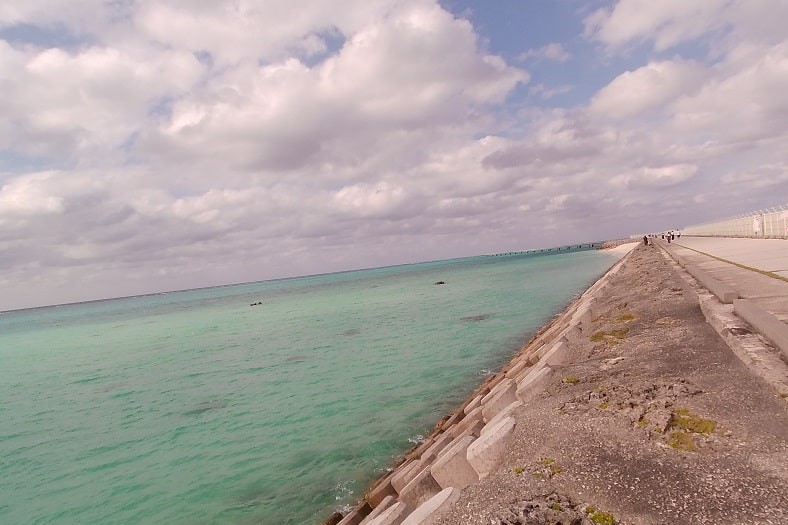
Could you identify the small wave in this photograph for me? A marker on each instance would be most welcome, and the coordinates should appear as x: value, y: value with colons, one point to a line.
x: 418, y: 438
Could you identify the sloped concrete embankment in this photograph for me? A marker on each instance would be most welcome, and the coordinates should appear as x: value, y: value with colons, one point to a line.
x: 468, y: 445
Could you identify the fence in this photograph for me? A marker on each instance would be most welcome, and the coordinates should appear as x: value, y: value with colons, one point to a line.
x: 771, y: 223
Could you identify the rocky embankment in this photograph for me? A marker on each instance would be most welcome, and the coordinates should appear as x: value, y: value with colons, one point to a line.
x: 628, y: 408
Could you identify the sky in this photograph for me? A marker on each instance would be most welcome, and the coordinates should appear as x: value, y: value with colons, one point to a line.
x: 155, y: 145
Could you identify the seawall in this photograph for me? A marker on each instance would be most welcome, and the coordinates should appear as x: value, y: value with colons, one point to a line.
x: 627, y: 408
x: 467, y: 445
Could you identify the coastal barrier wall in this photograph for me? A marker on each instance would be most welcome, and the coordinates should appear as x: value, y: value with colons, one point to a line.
x: 770, y: 223
x: 468, y: 444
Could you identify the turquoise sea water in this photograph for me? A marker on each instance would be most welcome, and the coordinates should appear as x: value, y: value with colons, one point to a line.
x: 194, y: 407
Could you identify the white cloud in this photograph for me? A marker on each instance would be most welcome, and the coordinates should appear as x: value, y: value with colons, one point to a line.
x: 171, y: 142
x: 652, y: 86
x: 553, y: 52
x: 666, y: 23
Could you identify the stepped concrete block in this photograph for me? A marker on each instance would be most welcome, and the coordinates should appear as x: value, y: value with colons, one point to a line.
x: 394, y: 515
x: 387, y: 502
x: 582, y: 316
x: 517, y: 369
x: 533, y: 383
x: 504, y: 395
x: 474, y: 403
x: 421, y: 488
x: 522, y: 373
x: 440, y: 443
x: 431, y: 510
x: 557, y: 354
x: 486, y: 452
x: 452, y: 469
x: 381, y: 491
x: 764, y: 322
x: 473, y: 429
x: 504, y: 413
x: 403, y: 475
x: 495, y: 390
x: 357, y: 515
x: 453, y: 419
x: 418, y: 450
x: 468, y: 422
x: 724, y: 293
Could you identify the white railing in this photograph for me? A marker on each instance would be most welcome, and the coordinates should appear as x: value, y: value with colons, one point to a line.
x: 771, y: 223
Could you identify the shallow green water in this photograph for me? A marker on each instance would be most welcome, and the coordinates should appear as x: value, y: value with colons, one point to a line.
x: 196, y: 408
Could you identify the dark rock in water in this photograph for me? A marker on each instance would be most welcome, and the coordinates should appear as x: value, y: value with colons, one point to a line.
x: 258, y: 303
x: 205, y: 407
x: 351, y: 332
x: 440, y: 282
x: 473, y: 318
x: 335, y: 518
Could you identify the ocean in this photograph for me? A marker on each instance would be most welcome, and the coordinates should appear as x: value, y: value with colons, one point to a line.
x: 273, y: 402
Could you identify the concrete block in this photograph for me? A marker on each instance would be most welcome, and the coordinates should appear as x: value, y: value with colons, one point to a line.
x: 357, y: 515
x: 764, y: 323
x: 504, y: 413
x: 452, y: 469
x: 486, y: 452
x: 394, y: 515
x: 473, y: 430
x: 722, y: 291
x: 421, y: 488
x: 403, y: 475
x: 387, y: 502
x: 469, y: 421
x: 557, y: 354
x: 533, y: 383
x: 431, y: 510
x: 439, y: 444
x: 474, y: 403
x: 518, y: 367
x: 380, y: 491
x: 501, y: 397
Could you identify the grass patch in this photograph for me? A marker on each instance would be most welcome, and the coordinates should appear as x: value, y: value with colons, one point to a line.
x: 599, y: 517
x: 612, y: 337
x: 625, y: 317
x: 571, y: 380
x: 556, y: 507
x: 682, y: 441
x: 683, y: 419
x: 518, y: 470
x: 603, y: 405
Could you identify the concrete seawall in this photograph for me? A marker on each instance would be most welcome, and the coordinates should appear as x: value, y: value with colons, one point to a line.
x: 467, y: 445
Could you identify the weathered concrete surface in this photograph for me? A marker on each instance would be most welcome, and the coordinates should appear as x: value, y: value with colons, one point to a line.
x: 613, y: 425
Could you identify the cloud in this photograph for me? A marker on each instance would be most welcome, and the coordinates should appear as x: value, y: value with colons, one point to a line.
x: 652, y: 86
x: 666, y: 23
x: 161, y: 145
x: 553, y: 52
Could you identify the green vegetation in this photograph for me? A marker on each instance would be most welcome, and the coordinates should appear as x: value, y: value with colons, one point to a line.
x: 683, y: 419
x: 642, y: 422
x: 683, y: 424
x: 682, y: 441
x: 556, y: 507
x: 612, y: 337
x: 571, y: 380
x: 599, y: 517
x: 518, y: 470
x: 603, y: 405
x: 625, y: 317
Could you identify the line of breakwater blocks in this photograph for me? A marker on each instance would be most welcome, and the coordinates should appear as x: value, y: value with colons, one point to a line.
x: 471, y: 442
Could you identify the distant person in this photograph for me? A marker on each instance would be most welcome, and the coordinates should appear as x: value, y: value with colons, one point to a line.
x: 645, y: 240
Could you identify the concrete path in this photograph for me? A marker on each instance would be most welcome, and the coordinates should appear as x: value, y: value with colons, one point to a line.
x: 769, y: 255
x: 757, y: 269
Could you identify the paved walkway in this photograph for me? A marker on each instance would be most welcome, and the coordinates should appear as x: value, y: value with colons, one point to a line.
x: 757, y: 269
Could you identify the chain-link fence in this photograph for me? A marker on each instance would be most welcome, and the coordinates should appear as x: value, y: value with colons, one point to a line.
x: 771, y: 223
